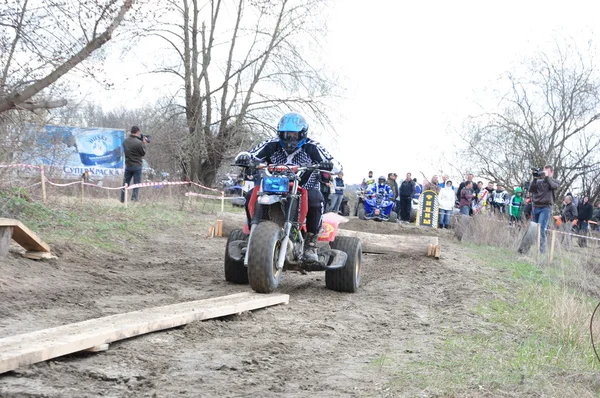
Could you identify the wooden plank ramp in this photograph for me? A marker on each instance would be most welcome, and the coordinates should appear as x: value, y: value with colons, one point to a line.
x: 24, y: 236
x: 25, y: 349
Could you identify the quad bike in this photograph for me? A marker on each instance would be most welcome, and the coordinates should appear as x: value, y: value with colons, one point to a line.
x: 274, y: 242
x: 377, y: 207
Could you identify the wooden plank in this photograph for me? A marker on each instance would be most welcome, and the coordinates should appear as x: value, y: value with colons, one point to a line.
x: 5, y: 237
x: 219, y: 228
x: 24, y: 236
x: 98, y: 348
x: 38, y: 255
x: 438, y: 251
x: 46, y: 344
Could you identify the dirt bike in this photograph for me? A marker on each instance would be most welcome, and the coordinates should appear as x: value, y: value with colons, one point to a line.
x: 377, y: 207
x: 274, y: 242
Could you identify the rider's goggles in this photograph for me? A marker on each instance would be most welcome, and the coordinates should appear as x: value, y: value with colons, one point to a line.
x: 290, y: 135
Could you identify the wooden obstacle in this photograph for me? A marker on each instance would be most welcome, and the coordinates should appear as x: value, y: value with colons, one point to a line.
x: 15, y: 230
x: 396, y: 244
x: 95, y: 335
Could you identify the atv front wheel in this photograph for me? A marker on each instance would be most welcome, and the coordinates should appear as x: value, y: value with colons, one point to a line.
x: 345, y: 210
x: 347, y: 278
x: 263, y: 275
x: 393, y: 217
x: 235, y: 271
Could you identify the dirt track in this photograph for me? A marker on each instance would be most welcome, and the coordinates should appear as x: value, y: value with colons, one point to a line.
x: 322, y: 344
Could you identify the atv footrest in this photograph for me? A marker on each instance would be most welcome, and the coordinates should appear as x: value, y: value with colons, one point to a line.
x: 328, y: 259
x: 237, y: 249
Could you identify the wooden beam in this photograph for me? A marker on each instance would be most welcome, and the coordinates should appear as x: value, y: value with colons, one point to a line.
x: 394, y: 244
x: 25, y: 349
x: 24, y: 236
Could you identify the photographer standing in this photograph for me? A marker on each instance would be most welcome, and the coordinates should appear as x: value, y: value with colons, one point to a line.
x: 542, y: 190
x: 135, y: 150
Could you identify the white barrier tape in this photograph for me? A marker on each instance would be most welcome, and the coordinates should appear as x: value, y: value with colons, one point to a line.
x: 102, y: 187
x: 62, y: 185
x: 26, y: 166
x: 153, y: 184
x: 576, y: 235
x: 201, y: 195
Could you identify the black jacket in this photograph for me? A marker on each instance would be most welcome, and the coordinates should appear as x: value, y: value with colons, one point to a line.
x: 135, y: 150
x: 569, y: 212
x: 407, y: 189
x: 585, y: 211
x: 542, y: 191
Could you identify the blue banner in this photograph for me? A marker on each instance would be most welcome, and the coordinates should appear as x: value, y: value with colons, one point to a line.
x: 75, y: 150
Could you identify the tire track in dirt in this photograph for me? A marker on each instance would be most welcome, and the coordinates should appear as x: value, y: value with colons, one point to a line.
x: 323, y: 343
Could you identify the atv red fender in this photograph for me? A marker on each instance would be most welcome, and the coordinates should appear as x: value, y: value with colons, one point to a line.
x: 331, y: 221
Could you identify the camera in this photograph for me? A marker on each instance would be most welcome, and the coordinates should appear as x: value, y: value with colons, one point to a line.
x: 145, y: 137
x: 538, y: 172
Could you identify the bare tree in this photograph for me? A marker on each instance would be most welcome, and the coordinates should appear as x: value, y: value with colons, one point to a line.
x: 41, y: 41
x: 240, y: 63
x: 548, y: 116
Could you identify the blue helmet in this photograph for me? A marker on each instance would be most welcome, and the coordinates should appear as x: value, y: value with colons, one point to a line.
x: 292, y: 130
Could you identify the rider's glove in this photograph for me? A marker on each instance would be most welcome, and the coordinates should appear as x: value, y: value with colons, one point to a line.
x: 243, y: 159
x: 326, y: 165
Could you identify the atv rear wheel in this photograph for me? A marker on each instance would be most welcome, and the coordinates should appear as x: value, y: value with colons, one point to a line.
x: 361, y: 211
x: 235, y: 271
x: 263, y: 275
x: 347, y: 278
x: 345, y: 209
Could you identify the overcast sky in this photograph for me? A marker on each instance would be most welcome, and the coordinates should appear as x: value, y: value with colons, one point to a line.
x: 413, y: 71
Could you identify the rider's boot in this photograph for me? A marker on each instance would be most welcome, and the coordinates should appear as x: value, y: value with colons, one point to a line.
x: 310, y: 248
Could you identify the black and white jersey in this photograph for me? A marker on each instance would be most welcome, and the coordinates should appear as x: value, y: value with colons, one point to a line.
x: 311, y: 152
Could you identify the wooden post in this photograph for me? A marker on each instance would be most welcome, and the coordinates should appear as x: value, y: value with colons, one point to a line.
x: 170, y: 192
x: 5, y: 237
x: 43, y: 177
x: 125, y: 195
x: 552, y: 245
x: 222, y: 202
x: 539, y: 239
x: 82, y: 186
x: 219, y: 228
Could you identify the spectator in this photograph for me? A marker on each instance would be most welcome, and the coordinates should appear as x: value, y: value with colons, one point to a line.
x: 481, y: 199
x: 500, y: 199
x: 528, y: 207
x: 433, y: 185
x: 338, y: 195
x: 542, y: 192
x: 391, y: 181
x: 569, y: 215
x: 466, y: 197
x: 515, y: 206
x: 406, y: 192
x: 446, y: 201
x: 326, y: 184
x: 490, y: 191
x: 596, y: 216
x: 462, y: 185
x: 135, y: 149
x: 418, y: 189
x: 367, y: 182
x: 585, y: 212
x: 444, y: 181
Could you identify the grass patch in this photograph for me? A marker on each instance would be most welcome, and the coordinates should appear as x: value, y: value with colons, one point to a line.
x: 530, y: 337
x: 97, y: 223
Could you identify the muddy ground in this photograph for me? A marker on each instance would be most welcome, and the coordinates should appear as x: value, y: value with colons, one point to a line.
x: 322, y: 344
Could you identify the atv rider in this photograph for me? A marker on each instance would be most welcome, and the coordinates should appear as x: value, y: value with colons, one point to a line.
x: 292, y: 147
x: 383, y: 189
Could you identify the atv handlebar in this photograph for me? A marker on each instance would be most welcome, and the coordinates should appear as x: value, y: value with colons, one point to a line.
x: 280, y: 168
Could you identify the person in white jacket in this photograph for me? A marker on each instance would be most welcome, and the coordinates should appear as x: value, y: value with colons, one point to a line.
x: 446, y: 202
